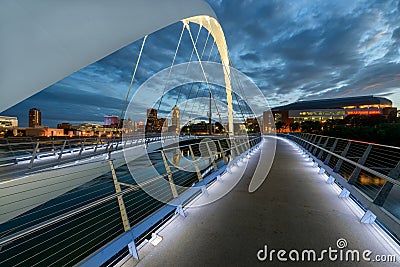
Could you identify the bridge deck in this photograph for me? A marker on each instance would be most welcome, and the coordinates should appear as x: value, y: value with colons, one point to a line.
x: 294, y: 209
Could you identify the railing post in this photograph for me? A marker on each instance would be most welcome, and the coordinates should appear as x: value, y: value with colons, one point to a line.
x: 110, y: 148
x: 222, y: 152
x: 116, y: 147
x: 324, y: 146
x: 387, y: 187
x: 81, y: 150
x: 69, y: 146
x: 199, y: 177
x: 121, y: 204
x: 12, y: 151
x: 96, y: 146
x: 220, y: 148
x: 61, y: 151
x: 318, y: 144
x: 305, y: 144
x: 124, y: 216
x: 245, y: 144
x: 328, y: 158
x: 212, y: 157
x: 169, y: 173
x: 53, y: 147
x: 238, y: 146
x: 230, y: 149
x: 34, y: 153
x: 361, y: 161
x: 340, y: 161
x: 233, y: 146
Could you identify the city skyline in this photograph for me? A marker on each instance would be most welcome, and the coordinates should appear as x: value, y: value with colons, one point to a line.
x: 294, y: 51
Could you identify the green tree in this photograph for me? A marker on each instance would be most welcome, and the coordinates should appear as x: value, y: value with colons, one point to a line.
x: 311, y: 126
x: 280, y: 125
x: 294, y: 126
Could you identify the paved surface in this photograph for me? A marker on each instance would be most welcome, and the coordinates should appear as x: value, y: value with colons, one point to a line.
x: 294, y: 209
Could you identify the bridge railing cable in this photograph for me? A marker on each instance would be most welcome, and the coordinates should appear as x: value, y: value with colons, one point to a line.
x: 367, y: 172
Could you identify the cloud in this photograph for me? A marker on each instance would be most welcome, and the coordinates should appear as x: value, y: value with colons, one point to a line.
x: 291, y: 49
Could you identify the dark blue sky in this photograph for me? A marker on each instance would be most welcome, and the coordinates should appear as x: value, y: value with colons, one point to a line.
x: 293, y: 50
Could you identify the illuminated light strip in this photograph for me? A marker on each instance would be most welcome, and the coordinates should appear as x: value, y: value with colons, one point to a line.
x: 363, y: 112
x: 376, y: 229
x: 359, y: 212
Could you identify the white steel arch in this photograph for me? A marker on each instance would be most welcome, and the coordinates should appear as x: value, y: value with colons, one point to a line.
x: 212, y: 25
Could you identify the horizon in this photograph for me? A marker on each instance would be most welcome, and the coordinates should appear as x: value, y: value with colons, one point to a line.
x: 289, y: 57
x: 101, y: 121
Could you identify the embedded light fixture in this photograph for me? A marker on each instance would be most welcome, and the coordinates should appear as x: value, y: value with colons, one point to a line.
x: 155, y: 239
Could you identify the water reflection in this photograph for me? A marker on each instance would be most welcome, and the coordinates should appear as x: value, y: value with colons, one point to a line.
x: 369, y: 180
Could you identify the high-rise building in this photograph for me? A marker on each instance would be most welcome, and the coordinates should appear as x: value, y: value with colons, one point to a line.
x: 155, y: 125
x: 8, y: 122
x: 175, y: 119
x: 151, y: 120
x: 140, y: 127
x: 333, y: 108
x: 35, y: 117
x: 151, y: 113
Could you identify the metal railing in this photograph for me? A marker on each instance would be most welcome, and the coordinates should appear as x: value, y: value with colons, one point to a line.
x: 365, y: 171
x: 108, y: 211
x: 17, y: 155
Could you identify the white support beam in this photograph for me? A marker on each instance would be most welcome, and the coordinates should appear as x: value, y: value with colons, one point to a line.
x: 40, y: 34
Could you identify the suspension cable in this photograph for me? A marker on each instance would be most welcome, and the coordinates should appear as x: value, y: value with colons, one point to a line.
x: 202, y: 69
x: 191, y: 110
x: 172, y: 65
x: 205, y: 44
x: 192, y: 85
x: 240, y: 86
x: 133, y: 78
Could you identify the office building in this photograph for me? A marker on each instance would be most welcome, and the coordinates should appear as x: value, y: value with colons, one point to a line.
x: 8, y: 122
x: 175, y: 120
x: 155, y: 125
x: 41, y: 131
x: 35, y: 118
x: 8, y: 126
x: 335, y: 108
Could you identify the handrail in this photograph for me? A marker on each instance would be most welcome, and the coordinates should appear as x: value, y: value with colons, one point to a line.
x: 355, y: 141
x: 15, y: 236
x: 378, y: 196
x: 369, y: 170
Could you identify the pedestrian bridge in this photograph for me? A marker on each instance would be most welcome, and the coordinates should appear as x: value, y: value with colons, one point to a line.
x: 302, y: 204
x: 233, y: 195
x: 295, y: 208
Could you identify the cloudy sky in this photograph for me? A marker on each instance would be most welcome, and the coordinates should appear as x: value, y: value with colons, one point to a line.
x: 292, y: 50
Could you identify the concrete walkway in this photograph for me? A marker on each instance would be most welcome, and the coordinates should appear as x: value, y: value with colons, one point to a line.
x: 294, y: 209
